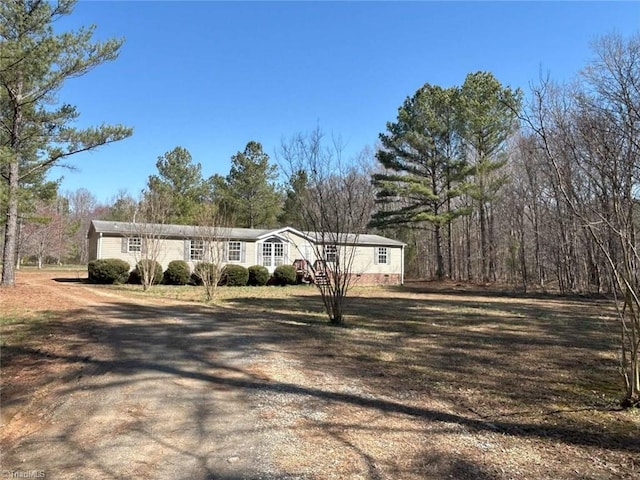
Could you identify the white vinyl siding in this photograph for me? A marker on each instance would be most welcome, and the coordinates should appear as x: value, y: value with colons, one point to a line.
x: 368, y: 259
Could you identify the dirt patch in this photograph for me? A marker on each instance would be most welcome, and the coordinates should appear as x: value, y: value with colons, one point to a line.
x: 423, y: 383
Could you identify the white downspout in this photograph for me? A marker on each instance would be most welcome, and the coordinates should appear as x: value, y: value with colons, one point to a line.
x: 402, y: 267
x: 99, y: 249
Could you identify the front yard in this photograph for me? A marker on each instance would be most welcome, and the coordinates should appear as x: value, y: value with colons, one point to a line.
x: 425, y: 381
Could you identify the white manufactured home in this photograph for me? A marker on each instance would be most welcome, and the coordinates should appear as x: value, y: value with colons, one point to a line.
x: 375, y: 259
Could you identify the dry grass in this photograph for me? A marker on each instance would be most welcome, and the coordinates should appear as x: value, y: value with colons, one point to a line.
x: 428, y: 381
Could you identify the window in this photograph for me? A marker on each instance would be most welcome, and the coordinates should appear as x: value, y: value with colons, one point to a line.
x: 267, y: 254
x: 234, y: 252
x: 382, y: 255
x: 134, y: 244
x: 273, y: 254
x: 196, y: 250
x: 330, y: 253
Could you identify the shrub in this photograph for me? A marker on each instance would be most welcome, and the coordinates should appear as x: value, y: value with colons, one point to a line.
x: 146, y: 266
x: 177, y: 273
x: 195, y: 279
x: 209, y: 275
x: 285, y: 275
x: 234, y: 276
x: 203, y: 270
x: 108, y: 270
x: 258, y: 276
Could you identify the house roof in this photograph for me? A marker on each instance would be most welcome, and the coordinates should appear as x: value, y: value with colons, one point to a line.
x: 247, y: 234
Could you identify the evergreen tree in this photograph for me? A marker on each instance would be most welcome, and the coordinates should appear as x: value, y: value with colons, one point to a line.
x: 35, y: 135
x: 488, y: 117
x: 423, y: 169
x: 294, y: 196
x: 180, y: 183
x: 249, y: 192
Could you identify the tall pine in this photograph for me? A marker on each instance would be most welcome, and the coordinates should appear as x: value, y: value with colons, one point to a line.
x: 248, y: 194
x: 179, y: 184
x: 423, y: 172
x: 35, y: 132
x: 488, y: 117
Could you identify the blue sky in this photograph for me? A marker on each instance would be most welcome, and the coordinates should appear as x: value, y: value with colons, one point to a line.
x: 211, y: 76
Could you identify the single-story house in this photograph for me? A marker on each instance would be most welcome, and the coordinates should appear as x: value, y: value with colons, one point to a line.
x: 375, y: 259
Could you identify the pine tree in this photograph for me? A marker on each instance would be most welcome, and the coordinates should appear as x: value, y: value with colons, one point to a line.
x: 423, y: 170
x: 488, y: 117
x: 249, y: 192
x: 180, y: 183
x: 292, y: 211
x: 35, y: 135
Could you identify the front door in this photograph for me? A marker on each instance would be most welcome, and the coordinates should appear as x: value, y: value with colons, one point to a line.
x: 273, y: 255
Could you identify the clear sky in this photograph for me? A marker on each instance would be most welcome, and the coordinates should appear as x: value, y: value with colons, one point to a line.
x: 211, y: 76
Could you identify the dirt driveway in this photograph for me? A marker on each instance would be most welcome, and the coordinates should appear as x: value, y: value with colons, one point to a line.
x: 135, y: 390
x: 103, y: 384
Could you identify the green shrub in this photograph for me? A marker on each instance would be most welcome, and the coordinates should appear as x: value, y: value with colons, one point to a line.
x: 177, y: 273
x: 234, y: 276
x: 146, y: 266
x: 108, y: 270
x: 258, y: 275
x: 285, y: 275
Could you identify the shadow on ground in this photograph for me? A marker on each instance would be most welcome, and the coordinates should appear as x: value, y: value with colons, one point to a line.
x: 529, y: 354
x: 200, y: 333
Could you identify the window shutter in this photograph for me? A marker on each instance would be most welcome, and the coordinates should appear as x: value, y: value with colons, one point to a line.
x: 124, y: 245
x: 375, y: 256
x: 285, y: 253
x: 225, y: 252
x: 259, y: 248
x: 243, y: 251
x: 144, y: 245
x: 187, y: 248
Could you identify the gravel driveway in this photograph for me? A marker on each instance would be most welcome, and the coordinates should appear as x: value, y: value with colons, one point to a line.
x: 151, y: 391
x: 98, y: 383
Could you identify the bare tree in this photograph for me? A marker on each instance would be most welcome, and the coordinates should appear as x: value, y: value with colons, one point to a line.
x: 336, y: 208
x: 210, y: 248
x: 589, y: 137
x: 83, y: 207
x: 121, y: 208
x: 147, y: 237
x: 43, y: 233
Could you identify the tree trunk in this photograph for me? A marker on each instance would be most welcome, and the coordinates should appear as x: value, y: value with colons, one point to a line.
x: 483, y: 242
x: 449, y: 239
x: 468, y: 241
x: 11, y: 229
x: 491, y: 245
x: 439, y: 258
x: 523, y: 259
x: 536, y: 238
